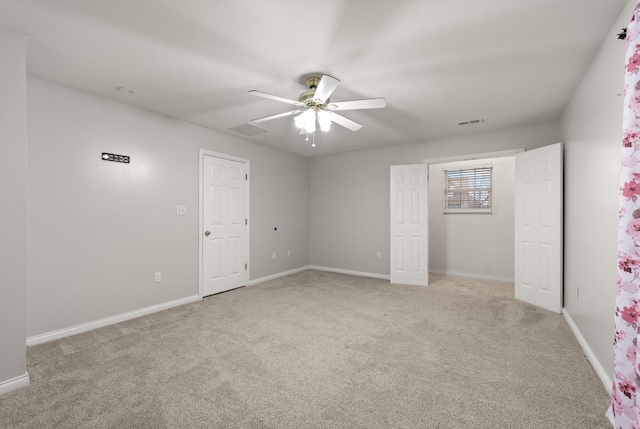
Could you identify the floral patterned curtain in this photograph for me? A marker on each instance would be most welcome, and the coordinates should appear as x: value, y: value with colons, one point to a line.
x: 624, y: 412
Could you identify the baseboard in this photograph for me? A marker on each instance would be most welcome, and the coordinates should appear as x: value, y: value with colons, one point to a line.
x: 350, y: 272
x: 277, y: 276
x: 78, y: 329
x: 595, y: 363
x: 475, y: 276
x: 14, y: 383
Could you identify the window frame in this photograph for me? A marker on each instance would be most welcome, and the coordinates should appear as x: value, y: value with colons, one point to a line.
x: 446, y: 188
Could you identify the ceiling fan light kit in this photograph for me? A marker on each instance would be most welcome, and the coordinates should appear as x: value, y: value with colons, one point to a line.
x: 324, y: 119
x: 314, y: 106
x: 306, y: 120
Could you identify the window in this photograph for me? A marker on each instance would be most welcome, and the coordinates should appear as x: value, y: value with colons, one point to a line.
x: 468, y: 189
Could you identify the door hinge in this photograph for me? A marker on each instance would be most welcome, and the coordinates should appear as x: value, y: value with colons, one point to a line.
x: 245, y: 267
x: 246, y: 176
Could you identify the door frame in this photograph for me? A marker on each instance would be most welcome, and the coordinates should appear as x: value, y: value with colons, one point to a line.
x: 472, y: 157
x: 201, y: 154
x: 475, y: 156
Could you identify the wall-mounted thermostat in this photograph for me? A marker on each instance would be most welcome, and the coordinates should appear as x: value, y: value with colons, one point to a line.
x: 115, y: 158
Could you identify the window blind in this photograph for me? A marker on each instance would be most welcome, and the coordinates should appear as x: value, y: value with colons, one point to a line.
x: 468, y: 189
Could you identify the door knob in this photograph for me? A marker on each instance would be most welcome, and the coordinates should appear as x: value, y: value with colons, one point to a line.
x: 207, y: 233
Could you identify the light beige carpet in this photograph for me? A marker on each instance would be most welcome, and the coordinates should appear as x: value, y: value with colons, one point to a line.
x: 320, y: 350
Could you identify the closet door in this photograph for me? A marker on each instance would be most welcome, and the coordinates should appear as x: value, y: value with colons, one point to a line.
x: 538, y: 251
x: 409, y: 224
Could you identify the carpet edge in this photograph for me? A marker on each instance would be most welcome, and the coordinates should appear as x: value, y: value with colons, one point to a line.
x: 88, y: 326
x: 350, y: 272
x: 595, y: 363
x: 15, y: 383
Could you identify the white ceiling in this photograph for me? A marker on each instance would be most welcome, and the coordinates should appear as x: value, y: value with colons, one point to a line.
x: 437, y: 63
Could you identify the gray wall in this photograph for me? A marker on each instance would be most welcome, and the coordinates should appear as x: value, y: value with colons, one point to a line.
x: 350, y: 192
x: 476, y: 245
x: 99, y: 230
x: 13, y: 188
x: 592, y: 130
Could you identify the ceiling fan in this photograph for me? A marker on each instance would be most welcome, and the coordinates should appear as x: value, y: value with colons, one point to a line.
x: 314, y: 106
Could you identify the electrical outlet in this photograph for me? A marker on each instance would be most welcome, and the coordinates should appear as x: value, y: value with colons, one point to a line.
x: 288, y: 252
x: 157, y: 277
x: 379, y: 255
x: 181, y: 210
x: 273, y: 255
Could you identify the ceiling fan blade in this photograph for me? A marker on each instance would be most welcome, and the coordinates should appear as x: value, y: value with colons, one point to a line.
x: 279, y: 115
x: 347, y: 123
x: 369, y: 103
x: 275, y: 97
x: 325, y: 88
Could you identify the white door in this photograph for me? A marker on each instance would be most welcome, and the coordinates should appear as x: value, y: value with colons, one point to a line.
x: 409, y: 224
x: 538, y: 252
x: 224, y: 225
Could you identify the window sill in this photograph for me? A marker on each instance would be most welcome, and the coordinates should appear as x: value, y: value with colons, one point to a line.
x: 467, y: 211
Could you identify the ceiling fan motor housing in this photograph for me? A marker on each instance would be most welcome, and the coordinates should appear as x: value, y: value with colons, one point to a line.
x: 307, y: 96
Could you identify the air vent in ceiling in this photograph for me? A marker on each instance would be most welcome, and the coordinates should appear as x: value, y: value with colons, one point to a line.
x: 471, y: 122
